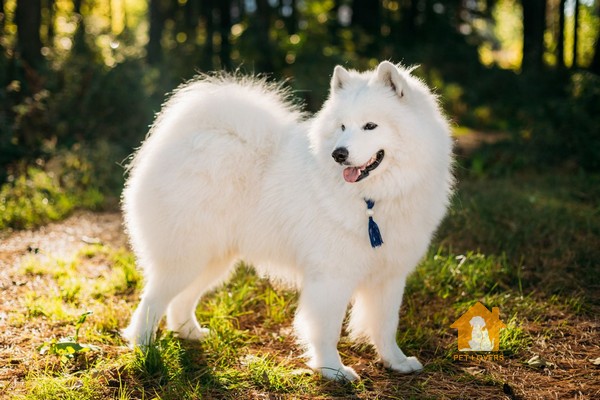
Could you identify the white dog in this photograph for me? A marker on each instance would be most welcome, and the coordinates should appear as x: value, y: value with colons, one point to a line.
x: 342, y: 205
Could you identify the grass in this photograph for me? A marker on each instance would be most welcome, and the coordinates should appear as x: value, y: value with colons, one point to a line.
x: 37, y: 197
x: 83, y: 177
x: 528, y: 245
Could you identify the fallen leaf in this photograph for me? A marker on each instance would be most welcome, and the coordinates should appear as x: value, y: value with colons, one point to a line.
x: 90, y: 240
x: 474, y: 370
x: 539, y: 362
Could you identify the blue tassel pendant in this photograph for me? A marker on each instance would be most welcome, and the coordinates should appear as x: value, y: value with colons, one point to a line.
x: 374, y: 234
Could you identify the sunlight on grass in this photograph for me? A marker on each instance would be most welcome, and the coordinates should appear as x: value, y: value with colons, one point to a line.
x: 514, y: 338
x: 63, y: 387
x: 122, y: 278
x: 54, y: 267
x: 224, y: 362
x: 38, y: 197
x: 51, y: 307
x: 471, y: 274
x: 267, y: 374
x: 251, y: 351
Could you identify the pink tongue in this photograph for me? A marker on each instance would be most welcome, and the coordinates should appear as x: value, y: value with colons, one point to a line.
x: 351, y: 174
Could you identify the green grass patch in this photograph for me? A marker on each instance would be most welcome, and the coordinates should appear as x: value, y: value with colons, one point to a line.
x: 33, y: 199
x: 37, y: 197
x: 251, y: 353
x: 63, y: 387
x: 514, y: 339
x: 547, y: 225
x: 49, y: 190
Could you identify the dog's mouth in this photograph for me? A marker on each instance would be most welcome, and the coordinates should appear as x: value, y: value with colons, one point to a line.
x: 355, y: 174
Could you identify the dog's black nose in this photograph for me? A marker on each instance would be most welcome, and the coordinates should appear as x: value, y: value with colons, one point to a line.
x: 340, y: 154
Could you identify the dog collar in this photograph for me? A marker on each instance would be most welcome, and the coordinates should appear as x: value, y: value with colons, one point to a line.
x: 374, y: 233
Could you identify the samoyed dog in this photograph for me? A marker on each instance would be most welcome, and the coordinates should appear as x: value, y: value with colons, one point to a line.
x: 341, y: 205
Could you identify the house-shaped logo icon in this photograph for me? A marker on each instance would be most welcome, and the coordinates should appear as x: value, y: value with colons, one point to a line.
x: 479, y: 329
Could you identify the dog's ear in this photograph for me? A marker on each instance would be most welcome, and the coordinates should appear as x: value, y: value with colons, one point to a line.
x: 340, y: 77
x: 388, y: 74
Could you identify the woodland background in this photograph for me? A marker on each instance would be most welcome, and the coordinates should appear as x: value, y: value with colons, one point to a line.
x: 80, y: 83
x: 91, y: 74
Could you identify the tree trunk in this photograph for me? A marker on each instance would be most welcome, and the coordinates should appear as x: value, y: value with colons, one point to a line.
x: 292, y: 19
x: 28, y: 18
x: 192, y: 12
x: 575, y: 34
x: 50, y: 23
x: 560, y: 48
x: 366, y: 14
x: 409, y: 21
x: 2, y: 16
x: 154, y: 47
x: 595, y: 65
x: 334, y: 24
x: 79, y: 45
x: 534, y: 25
x: 209, y: 23
x: 225, y: 29
x: 263, y: 16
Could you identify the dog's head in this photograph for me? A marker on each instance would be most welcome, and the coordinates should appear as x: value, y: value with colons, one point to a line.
x: 382, y: 127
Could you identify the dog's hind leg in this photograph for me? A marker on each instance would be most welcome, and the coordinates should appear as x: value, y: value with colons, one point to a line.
x: 163, y: 284
x: 181, y: 313
x: 318, y: 323
x: 159, y: 290
x: 375, y: 315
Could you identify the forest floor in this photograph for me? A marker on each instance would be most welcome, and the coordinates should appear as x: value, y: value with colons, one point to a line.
x: 534, y: 255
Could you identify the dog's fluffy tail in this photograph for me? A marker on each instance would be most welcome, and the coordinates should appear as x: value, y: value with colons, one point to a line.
x: 248, y: 109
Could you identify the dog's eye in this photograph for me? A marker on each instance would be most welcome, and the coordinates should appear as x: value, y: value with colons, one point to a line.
x: 369, y: 126
x: 343, y: 127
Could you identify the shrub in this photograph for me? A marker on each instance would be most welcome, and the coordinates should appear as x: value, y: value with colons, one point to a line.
x: 49, y: 191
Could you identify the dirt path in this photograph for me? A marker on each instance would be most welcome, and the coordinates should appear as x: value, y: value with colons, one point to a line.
x: 567, y: 343
x: 56, y: 240
x: 62, y: 238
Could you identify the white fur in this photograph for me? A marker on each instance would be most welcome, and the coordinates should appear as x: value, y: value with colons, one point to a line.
x: 231, y: 170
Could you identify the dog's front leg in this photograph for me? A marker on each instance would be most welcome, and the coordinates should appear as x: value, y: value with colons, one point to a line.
x: 375, y: 315
x: 318, y: 324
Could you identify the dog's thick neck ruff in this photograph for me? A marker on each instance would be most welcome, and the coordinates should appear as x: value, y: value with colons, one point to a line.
x: 374, y: 233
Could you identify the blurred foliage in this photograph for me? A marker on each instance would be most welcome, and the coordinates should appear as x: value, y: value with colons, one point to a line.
x: 49, y: 190
x: 105, y: 67
x: 566, y: 129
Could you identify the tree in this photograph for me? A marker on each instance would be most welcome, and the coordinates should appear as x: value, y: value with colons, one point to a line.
x: 575, y: 33
x: 225, y: 28
x: 2, y: 15
x: 263, y: 40
x: 79, y: 37
x: 192, y: 13
x: 292, y: 19
x: 50, y: 21
x: 534, y: 25
x: 595, y: 65
x: 157, y: 23
x: 560, y: 48
x: 366, y: 15
x: 28, y: 18
x: 409, y: 20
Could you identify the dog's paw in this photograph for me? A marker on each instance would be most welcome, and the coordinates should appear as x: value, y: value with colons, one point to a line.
x: 193, y: 333
x: 343, y: 374
x: 410, y: 364
x: 137, y: 339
